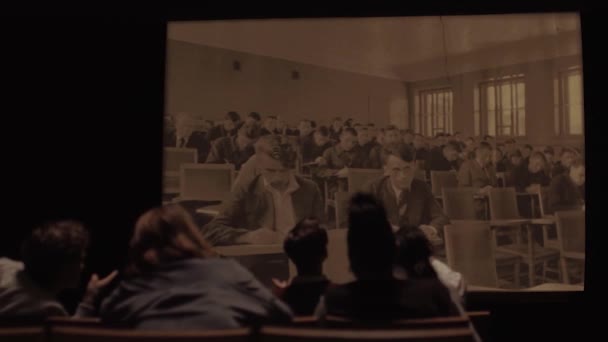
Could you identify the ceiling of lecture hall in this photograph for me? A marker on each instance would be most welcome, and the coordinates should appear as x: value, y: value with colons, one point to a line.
x: 409, y: 49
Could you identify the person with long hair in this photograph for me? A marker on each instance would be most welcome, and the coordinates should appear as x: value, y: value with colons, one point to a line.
x: 175, y: 280
x: 377, y: 294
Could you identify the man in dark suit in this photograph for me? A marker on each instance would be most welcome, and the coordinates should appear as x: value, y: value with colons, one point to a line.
x: 235, y: 150
x: 478, y: 173
x: 263, y: 209
x: 228, y: 128
x: 408, y: 201
x: 270, y: 125
x: 567, y: 191
x: 336, y: 160
x: 391, y: 138
x: 563, y: 165
x: 313, y: 149
x: 366, y: 143
x: 447, y: 160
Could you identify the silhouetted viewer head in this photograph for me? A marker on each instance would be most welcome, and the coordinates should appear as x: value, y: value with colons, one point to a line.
x: 165, y: 234
x: 54, y: 254
x: 371, y: 242
x: 414, y: 252
x: 306, y: 246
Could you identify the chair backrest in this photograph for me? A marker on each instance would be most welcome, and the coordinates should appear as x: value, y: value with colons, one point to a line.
x: 357, y: 178
x: 503, y: 204
x: 341, y: 199
x: 337, y: 265
x: 459, y: 203
x: 423, y: 323
x: 276, y: 334
x: 73, y: 321
x: 443, y: 179
x: 174, y: 157
x: 571, y: 230
x: 23, y: 334
x: 206, y: 182
x: 73, y: 334
x: 469, y: 247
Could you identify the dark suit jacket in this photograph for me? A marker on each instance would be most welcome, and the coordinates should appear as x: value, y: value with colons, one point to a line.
x: 251, y: 206
x: 565, y: 195
x: 438, y: 162
x: 523, y: 178
x: 472, y: 175
x: 422, y: 207
x: 199, y: 141
x: 226, y: 151
x: 337, y: 159
x: 390, y: 299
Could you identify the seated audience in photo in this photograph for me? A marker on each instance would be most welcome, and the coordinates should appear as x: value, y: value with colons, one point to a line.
x: 253, y: 117
x: 228, y: 128
x: 515, y: 161
x: 457, y: 137
x: 249, y: 170
x: 306, y: 247
x: 312, y: 150
x: 391, y: 137
x: 346, y: 154
x: 416, y: 258
x: 364, y: 139
x: 420, y: 147
x: 407, y: 200
x: 169, y: 132
x: 263, y: 209
x: 528, y: 178
x: 283, y: 129
x: 478, y: 173
x: 270, y: 125
x: 499, y: 161
x: 526, y: 151
x: 335, y: 130
x: 567, y: 191
x: 408, y: 137
x: 562, y: 166
x: 376, y: 294
x: 235, y: 150
x: 447, y: 160
x: 469, y: 149
x: 200, y: 141
x: 53, y: 258
x: 305, y: 131
x: 174, y: 280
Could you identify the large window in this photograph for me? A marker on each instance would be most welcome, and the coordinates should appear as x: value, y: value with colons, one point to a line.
x: 500, y: 106
x: 568, y: 87
x: 434, y: 111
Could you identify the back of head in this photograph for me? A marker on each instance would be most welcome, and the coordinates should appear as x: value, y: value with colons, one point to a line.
x: 255, y: 116
x: 371, y: 242
x: 53, y: 250
x: 233, y: 116
x: 306, y: 245
x: 251, y: 130
x: 165, y: 234
x: 414, y: 252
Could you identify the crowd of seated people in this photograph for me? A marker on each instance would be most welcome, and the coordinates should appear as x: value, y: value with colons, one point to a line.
x: 174, y: 279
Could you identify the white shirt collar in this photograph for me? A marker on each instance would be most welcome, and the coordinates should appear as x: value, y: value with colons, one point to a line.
x: 291, y: 187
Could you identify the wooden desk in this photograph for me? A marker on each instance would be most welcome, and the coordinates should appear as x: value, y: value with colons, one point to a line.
x: 556, y: 287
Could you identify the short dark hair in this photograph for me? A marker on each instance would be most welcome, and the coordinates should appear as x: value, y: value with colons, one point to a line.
x: 528, y: 146
x: 401, y: 151
x: 323, y: 131
x: 255, y: 115
x: 313, y: 124
x: 391, y: 128
x: 233, y: 116
x: 484, y: 144
x: 370, y: 238
x: 348, y: 130
x: 538, y: 155
x: 52, y: 246
x: 414, y: 252
x: 549, y: 150
x: 306, y: 243
x: 251, y: 130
